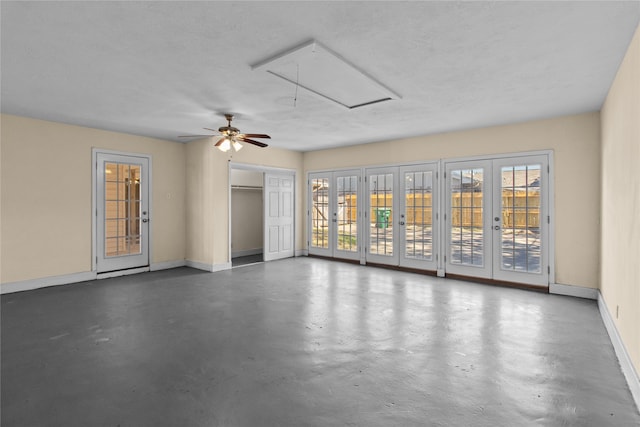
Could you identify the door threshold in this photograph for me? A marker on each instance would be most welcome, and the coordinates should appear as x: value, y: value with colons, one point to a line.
x: 118, y: 273
x: 538, y: 288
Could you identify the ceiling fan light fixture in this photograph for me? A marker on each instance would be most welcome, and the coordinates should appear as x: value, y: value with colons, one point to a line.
x: 225, y: 146
x: 237, y: 146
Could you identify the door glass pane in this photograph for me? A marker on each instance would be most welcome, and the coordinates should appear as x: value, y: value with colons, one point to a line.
x: 320, y: 213
x: 381, y: 219
x: 122, y: 209
x: 467, y: 233
x: 520, y: 206
x: 347, y: 213
x: 418, y: 215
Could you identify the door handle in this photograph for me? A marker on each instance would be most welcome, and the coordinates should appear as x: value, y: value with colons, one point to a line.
x: 145, y: 220
x: 497, y: 227
x: 401, y: 222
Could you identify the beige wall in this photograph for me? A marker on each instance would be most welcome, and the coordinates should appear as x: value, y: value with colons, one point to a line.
x: 620, y: 279
x: 246, y: 210
x: 575, y: 141
x: 208, y: 196
x: 47, y: 193
x: 246, y: 220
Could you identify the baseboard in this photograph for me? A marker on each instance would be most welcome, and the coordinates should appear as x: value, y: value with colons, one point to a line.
x: 45, y: 282
x: 301, y: 252
x: 208, y: 267
x: 246, y: 252
x: 167, y: 265
x: 573, y: 291
x: 633, y: 380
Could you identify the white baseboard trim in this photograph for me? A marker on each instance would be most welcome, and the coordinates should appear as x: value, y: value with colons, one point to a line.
x: 301, y: 252
x: 118, y: 273
x: 573, y: 291
x: 246, y: 252
x: 630, y: 373
x: 166, y: 265
x: 44, y: 282
x: 208, y: 267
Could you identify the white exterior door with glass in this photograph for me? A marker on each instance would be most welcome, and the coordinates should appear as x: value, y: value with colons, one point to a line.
x: 122, y: 211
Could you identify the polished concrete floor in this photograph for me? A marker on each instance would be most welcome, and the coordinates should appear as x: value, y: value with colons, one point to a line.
x: 305, y: 342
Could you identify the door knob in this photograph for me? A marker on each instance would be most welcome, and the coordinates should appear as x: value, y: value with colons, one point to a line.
x: 497, y: 227
x: 145, y: 220
x: 401, y: 222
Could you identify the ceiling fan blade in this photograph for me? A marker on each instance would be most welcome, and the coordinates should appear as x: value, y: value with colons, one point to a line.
x: 193, y: 136
x: 254, y: 135
x: 250, y: 141
x: 212, y: 130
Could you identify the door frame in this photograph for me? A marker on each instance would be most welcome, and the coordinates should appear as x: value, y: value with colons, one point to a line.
x: 94, y: 206
x: 263, y: 170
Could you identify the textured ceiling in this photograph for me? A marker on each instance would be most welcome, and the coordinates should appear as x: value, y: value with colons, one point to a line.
x: 164, y: 69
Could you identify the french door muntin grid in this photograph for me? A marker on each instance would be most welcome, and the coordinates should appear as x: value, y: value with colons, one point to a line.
x: 467, y: 217
x: 381, y: 189
x: 520, y: 210
x: 122, y: 209
x: 320, y: 212
x: 346, y: 213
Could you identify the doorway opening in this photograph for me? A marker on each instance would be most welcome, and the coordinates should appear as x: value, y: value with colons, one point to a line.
x: 261, y: 214
x: 247, y: 220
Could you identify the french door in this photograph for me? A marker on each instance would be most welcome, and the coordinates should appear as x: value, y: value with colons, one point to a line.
x: 402, y: 216
x: 489, y: 218
x: 334, y: 214
x: 496, y: 219
x: 122, y: 212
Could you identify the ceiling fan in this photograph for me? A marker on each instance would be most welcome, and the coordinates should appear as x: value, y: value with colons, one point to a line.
x: 231, y: 137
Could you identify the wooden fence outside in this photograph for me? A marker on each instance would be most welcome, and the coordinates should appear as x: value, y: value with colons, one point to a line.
x: 518, y: 211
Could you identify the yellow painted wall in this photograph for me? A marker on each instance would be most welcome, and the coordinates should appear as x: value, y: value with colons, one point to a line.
x: 575, y: 141
x: 47, y: 192
x: 247, y: 231
x: 620, y: 279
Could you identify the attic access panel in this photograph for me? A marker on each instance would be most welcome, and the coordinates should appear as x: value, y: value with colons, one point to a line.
x: 324, y: 73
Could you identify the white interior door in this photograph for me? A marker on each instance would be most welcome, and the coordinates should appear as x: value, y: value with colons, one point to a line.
x: 122, y: 212
x: 279, y: 219
x: 419, y: 216
x: 382, y: 206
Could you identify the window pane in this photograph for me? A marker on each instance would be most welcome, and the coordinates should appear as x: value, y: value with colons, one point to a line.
x: 381, y: 215
x: 347, y: 215
x: 320, y: 213
x: 520, y: 234
x: 467, y: 217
